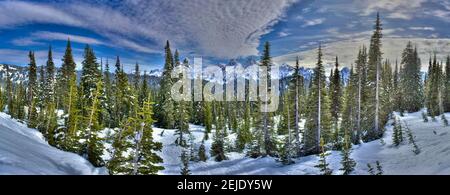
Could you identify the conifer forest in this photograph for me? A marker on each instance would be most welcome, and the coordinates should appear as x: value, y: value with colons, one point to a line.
x: 274, y: 88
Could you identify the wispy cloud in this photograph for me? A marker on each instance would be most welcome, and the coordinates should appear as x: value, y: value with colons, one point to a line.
x: 206, y: 27
x: 425, y: 28
x: 34, y: 38
x: 313, y: 22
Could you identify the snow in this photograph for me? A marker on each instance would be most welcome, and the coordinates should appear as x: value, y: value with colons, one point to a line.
x: 395, y: 160
x: 24, y: 151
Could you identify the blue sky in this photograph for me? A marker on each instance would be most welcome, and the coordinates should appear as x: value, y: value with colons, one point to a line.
x: 216, y: 30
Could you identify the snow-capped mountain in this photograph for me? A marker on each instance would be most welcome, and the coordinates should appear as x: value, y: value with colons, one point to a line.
x: 17, y: 73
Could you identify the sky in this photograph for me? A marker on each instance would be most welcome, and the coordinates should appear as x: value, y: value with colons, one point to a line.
x: 216, y: 30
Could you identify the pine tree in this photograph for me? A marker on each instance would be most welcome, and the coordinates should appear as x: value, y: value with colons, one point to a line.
x: 323, y: 165
x: 109, y: 97
x: 93, y: 145
x: 434, y: 88
x: 207, y: 119
x: 136, y: 135
x: 32, y: 91
x: 447, y: 86
x: 411, y: 80
x: 182, y: 124
x: 348, y: 164
x: 298, y: 100
x: 218, y: 145
x: 136, y: 77
x: 372, y: 123
x: 202, y: 153
x: 244, y: 135
x: 350, y: 108
x: 336, y: 93
x: 65, y: 74
x: 185, y: 161
x: 50, y: 78
x: 266, y: 62
x: 41, y: 100
x: 9, y: 91
x: 123, y: 94
x: 71, y: 139
x: 165, y: 108
x: 318, y: 117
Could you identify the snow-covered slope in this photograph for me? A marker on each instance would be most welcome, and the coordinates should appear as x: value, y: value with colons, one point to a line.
x: 432, y: 139
x: 24, y: 151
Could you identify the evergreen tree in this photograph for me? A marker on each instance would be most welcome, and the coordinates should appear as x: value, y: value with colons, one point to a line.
x: 185, y: 160
x: 136, y: 135
x: 136, y: 77
x: 348, y: 164
x: 202, y: 153
x: 71, y: 139
x: 244, y: 135
x: 165, y: 108
x: 447, y: 86
x: 266, y: 62
x: 299, y: 95
x: 109, y: 98
x: 182, y: 124
x: 207, y: 119
x: 318, y: 117
x: 65, y: 74
x: 350, y: 109
x: 434, y: 88
x: 9, y: 91
x: 411, y: 80
x: 336, y: 93
x: 218, y: 145
x: 50, y: 78
x: 32, y: 91
x: 323, y: 166
x: 372, y: 108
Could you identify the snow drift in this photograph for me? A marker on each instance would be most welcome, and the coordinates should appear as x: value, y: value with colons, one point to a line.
x: 24, y: 151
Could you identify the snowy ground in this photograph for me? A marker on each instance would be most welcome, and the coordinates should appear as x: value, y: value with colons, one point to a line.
x: 433, y: 158
x: 24, y: 151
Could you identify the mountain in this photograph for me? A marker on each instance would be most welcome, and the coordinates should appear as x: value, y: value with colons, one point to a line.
x: 18, y: 73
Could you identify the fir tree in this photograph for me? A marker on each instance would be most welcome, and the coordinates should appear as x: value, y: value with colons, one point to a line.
x: 348, y: 164
x: 336, y: 93
x: 207, y: 119
x: 32, y: 91
x: 136, y: 135
x: 447, y: 86
x: 50, y: 78
x: 411, y: 80
x: 185, y: 161
x: 266, y: 63
x: 323, y: 165
x: 244, y: 135
x: 182, y: 124
x: 372, y: 123
x: 165, y: 109
x: 202, y: 153
x: 318, y: 117
x: 65, y: 74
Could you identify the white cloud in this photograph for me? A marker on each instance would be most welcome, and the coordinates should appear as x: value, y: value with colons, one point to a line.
x: 35, y: 37
x: 283, y: 34
x: 425, y: 28
x: 206, y: 27
x: 399, y: 9
x: 313, y: 22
